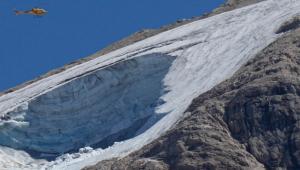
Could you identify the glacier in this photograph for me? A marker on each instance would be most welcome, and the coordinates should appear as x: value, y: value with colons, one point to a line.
x: 142, y: 89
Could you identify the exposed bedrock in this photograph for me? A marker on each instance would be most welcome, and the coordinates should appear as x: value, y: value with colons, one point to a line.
x: 250, y: 121
x: 97, y: 109
x: 290, y: 25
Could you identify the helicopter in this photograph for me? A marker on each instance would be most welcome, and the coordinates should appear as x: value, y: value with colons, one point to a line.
x: 33, y: 11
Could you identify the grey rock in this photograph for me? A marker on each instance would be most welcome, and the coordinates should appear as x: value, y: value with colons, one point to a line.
x: 250, y: 121
x: 292, y: 24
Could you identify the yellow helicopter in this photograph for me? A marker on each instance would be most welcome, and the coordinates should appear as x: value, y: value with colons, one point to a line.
x: 33, y: 11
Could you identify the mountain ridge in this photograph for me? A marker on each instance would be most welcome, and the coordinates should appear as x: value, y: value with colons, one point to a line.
x: 135, y: 37
x: 218, y: 133
x: 128, y: 98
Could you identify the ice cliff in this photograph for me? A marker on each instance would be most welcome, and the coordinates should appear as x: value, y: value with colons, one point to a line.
x: 127, y: 98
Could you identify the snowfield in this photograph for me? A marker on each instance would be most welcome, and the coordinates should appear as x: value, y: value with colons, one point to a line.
x: 133, y: 94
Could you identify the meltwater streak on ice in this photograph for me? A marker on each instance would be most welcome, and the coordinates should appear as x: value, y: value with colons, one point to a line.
x: 208, y: 51
x: 215, y: 48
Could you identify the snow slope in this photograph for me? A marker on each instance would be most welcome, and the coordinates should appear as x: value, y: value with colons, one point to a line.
x: 171, y: 69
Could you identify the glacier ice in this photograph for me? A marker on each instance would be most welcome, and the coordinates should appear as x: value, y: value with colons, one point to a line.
x: 109, y: 104
x: 187, y: 61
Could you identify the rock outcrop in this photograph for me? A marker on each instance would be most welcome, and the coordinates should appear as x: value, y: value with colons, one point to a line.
x: 250, y: 121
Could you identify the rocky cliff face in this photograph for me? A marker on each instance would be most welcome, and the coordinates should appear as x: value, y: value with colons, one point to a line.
x: 250, y: 121
x: 126, y: 99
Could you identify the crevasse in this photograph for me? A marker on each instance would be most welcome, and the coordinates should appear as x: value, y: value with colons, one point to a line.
x: 146, y: 87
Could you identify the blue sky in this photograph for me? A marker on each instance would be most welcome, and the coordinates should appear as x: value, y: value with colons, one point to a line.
x: 31, y: 46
